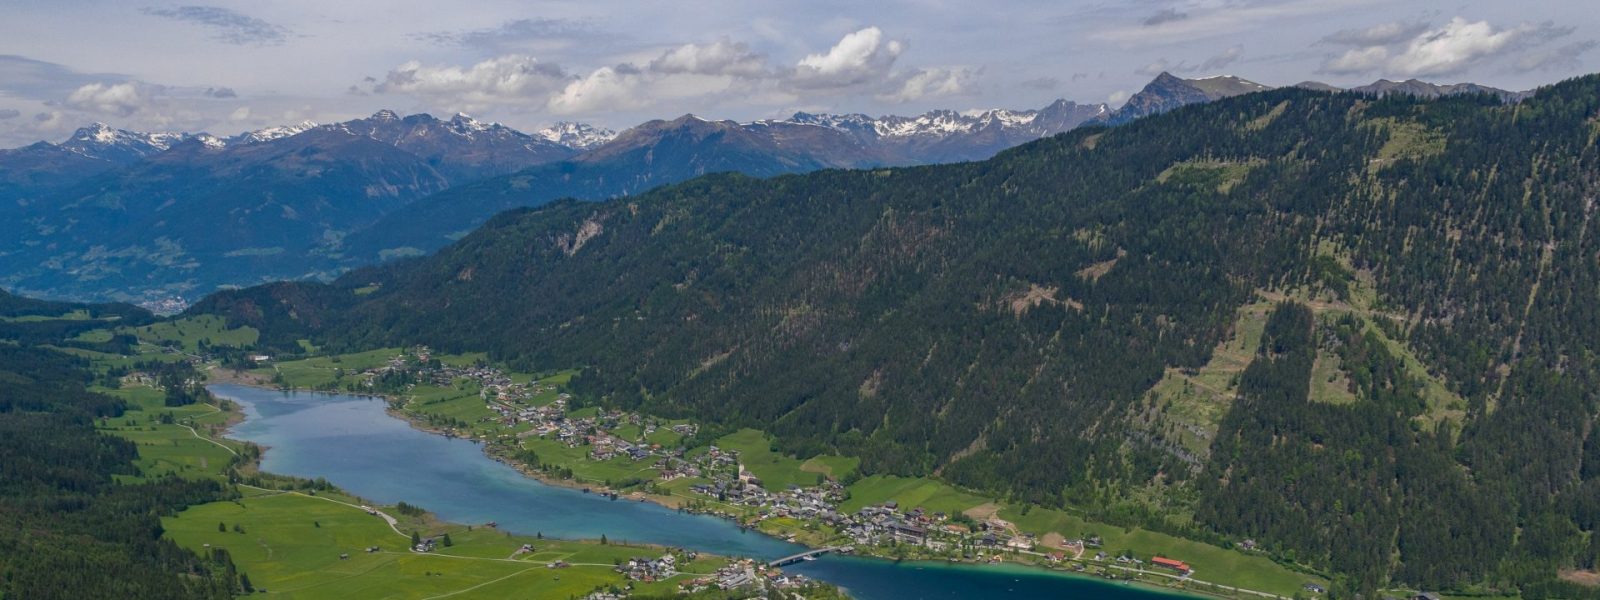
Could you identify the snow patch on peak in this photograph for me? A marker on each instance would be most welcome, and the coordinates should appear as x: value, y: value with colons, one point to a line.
x: 99, y: 140
x: 273, y: 133
x: 579, y: 136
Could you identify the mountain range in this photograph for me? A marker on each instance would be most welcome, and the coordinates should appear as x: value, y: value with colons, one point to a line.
x: 1329, y: 324
x: 142, y: 217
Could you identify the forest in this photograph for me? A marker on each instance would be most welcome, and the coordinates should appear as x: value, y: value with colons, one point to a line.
x: 70, y: 529
x: 1001, y: 324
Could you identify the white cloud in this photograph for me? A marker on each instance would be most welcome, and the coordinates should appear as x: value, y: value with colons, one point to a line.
x: 240, y: 114
x: 706, y: 75
x: 860, y: 57
x: 1392, y: 32
x: 607, y: 88
x: 1411, y: 50
x: 1118, y: 97
x: 49, y: 121
x: 121, y: 99
x: 510, y: 79
x: 931, y: 83
x: 1357, y: 60
x: 1452, y: 47
x: 720, y: 58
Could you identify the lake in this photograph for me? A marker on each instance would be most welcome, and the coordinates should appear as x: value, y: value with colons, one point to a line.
x: 354, y: 444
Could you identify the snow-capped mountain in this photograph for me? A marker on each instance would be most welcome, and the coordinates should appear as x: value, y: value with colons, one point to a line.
x: 948, y: 135
x: 578, y: 136
x: 272, y: 133
x: 1056, y: 118
x: 102, y: 141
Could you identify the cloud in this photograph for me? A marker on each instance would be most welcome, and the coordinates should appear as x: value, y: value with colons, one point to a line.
x: 505, y: 80
x: 859, y: 57
x: 47, y: 121
x: 227, y: 26
x: 1563, y: 57
x: 1455, y: 46
x: 1166, y: 15
x: 9, y: 113
x: 1045, y: 84
x: 1118, y: 97
x: 1408, y: 50
x: 1380, y: 34
x: 1357, y: 60
x: 708, y: 74
x: 607, y: 88
x: 931, y: 83
x: 121, y: 99
x: 1211, y: 64
x: 720, y: 58
x: 39, y: 80
x: 1222, y: 60
x: 1221, y: 19
x: 519, y: 35
x: 220, y: 93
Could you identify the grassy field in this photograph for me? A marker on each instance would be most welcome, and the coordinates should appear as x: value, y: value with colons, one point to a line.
x: 290, y: 545
x: 325, y: 371
x: 170, y: 448
x: 616, y: 470
x: 1213, y: 564
x: 188, y: 332
x: 1193, y: 403
x: 778, y: 471
x: 458, y: 402
x: 909, y: 492
x: 76, y: 315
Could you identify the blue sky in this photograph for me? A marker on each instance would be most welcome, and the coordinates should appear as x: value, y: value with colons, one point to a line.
x: 227, y: 67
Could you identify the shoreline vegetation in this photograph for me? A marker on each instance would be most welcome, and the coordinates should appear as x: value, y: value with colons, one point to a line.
x: 187, y: 340
x: 1123, y: 566
x: 676, y: 502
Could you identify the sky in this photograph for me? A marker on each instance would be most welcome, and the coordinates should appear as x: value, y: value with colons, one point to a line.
x: 229, y: 66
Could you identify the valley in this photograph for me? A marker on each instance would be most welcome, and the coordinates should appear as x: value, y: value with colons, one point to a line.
x: 1207, y: 338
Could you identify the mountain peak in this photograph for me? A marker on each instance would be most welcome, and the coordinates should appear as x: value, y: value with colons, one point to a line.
x: 578, y: 136
x: 102, y: 141
x: 385, y: 115
x: 272, y: 133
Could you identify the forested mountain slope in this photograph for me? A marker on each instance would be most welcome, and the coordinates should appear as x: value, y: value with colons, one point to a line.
x: 71, y: 528
x: 1002, y: 324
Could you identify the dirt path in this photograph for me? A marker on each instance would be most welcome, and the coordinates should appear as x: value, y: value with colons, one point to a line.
x: 393, y: 523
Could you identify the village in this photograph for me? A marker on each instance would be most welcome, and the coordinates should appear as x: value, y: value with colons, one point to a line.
x: 531, y: 410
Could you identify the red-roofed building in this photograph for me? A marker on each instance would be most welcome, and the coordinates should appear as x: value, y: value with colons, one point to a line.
x: 1176, y: 565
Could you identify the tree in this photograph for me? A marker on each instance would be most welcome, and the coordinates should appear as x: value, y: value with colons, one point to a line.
x: 244, y: 584
x: 603, y: 539
x: 221, y: 527
x: 446, y: 541
x: 416, y: 539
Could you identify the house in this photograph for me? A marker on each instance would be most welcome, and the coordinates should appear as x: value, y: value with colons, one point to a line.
x: 908, y: 533
x: 1314, y: 588
x: 1171, y: 563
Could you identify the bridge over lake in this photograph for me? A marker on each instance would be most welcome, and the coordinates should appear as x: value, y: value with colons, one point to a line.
x: 794, y: 558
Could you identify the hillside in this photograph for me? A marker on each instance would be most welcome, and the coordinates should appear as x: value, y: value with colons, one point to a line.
x: 979, y: 321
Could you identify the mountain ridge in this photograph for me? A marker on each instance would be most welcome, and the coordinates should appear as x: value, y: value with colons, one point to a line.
x: 974, y: 321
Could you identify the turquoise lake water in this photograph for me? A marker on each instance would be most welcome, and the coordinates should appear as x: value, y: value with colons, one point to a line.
x: 354, y: 444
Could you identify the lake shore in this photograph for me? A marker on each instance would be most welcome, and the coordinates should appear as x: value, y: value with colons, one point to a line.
x: 671, y: 502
